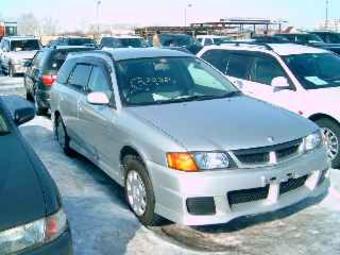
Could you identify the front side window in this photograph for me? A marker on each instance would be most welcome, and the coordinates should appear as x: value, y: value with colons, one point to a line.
x: 315, y: 71
x: 265, y: 69
x: 80, y: 76
x: 98, y: 82
x: 170, y: 80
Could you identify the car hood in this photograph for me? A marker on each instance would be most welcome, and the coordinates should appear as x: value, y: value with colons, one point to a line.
x: 21, y: 197
x: 21, y: 55
x: 225, y: 124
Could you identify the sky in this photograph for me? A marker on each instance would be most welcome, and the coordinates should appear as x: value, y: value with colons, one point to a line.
x: 73, y: 14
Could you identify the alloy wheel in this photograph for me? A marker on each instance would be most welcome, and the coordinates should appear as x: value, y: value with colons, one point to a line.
x: 136, y: 192
x: 332, y: 143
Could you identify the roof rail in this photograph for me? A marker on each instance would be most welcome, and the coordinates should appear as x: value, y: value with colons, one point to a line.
x: 238, y: 43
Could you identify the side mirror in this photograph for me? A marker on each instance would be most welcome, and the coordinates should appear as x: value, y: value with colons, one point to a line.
x: 280, y: 83
x: 21, y: 110
x: 27, y: 63
x: 98, y: 98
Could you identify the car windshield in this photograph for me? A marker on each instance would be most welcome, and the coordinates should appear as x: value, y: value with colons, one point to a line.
x: 315, y: 71
x: 221, y: 40
x: 165, y: 80
x: 25, y: 45
x: 3, y: 127
x: 177, y: 40
x: 81, y: 41
x: 309, y: 38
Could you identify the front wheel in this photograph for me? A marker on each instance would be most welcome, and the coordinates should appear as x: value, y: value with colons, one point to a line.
x: 331, y: 132
x: 139, y: 191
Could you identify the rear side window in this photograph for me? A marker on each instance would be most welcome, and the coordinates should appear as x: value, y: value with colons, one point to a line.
x: 239, y: 66
x: 80, y: 76
x: 218, y: 58
x: 265, y: 69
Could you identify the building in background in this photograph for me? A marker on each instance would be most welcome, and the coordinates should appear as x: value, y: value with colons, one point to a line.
x: 8, y: 28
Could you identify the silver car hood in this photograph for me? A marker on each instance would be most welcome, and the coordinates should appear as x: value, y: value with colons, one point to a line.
x: 225, y: 124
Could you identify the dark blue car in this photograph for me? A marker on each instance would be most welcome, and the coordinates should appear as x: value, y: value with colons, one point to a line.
x: 32, y: 220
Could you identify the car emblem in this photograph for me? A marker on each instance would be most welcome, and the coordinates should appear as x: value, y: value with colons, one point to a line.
x: 270, y: 139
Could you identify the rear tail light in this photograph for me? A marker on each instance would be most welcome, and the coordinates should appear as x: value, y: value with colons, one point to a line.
x: 48, y: 79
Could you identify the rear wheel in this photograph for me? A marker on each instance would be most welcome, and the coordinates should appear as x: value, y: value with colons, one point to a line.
x: 62, y: 136
x: 331, y: 131
x: 38, y: 108
x: 11, y: 71
x: 139, y: 191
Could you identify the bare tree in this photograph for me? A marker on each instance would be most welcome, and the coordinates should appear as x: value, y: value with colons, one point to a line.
x: 49, y: 26
x: 28, y: 24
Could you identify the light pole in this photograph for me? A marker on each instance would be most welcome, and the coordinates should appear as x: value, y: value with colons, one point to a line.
x: 185, y: 13
x: 98, y: 3
x: 327, y: 15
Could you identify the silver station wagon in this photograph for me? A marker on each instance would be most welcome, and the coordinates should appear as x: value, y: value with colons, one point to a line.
x: 184, y: 143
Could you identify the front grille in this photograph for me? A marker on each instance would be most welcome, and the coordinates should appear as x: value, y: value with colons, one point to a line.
x: 261, y: 155
x: 247, y: 195
x: 292, y: 184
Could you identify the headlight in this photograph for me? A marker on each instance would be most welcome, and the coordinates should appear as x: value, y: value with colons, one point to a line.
x: 195, y: 161
x: 313, y: 141
x: 33, y: 234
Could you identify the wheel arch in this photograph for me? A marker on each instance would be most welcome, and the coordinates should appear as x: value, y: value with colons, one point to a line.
x: 319, y: 116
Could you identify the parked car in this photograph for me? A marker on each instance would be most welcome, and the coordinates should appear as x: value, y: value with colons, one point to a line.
x: 207, y: 40
x: 269, y: 39
x: 181, y: 139
x: 312, y: 40
x: 123, y: 41
x: 302, y: 79
x: 15, y: 50
x: 42, y: 72
x: 328, y: 36
x: 176, y: 41
x: 72, y: 41
x: 32, y: 220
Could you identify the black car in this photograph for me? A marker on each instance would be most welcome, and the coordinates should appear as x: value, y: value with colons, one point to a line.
x: 187, y: 42
x: 328, y: 37
x: 311, y: 39
x: 72, y: 41
x: 42, y: 72
x: 32, y: 220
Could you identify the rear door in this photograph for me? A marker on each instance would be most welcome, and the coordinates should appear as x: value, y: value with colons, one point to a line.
x: 73, y: 92
x: 33, y: 72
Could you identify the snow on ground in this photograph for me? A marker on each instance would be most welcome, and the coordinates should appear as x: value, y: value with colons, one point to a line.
x: 101, y: 222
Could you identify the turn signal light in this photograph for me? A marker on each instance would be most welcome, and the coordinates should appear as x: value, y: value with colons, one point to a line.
x: 181, y: 161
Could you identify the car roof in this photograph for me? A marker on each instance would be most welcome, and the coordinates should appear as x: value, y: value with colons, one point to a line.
x: 282, y: 49
x: 122, y: 36
x: 21, y: 38
x: 136, y: 53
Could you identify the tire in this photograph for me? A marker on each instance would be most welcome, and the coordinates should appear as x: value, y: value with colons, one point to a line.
x: 40, y: 111
x: 11, y: 71
x: 134, y: 167
x: 332, y: 135
x: 29, y: 96
x: 62, y: 137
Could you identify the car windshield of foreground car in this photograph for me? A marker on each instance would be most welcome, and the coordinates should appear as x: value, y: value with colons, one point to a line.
x: 315, y: 71
x: 3, y: 127
x: 165, y: 80
x: 25, y: 45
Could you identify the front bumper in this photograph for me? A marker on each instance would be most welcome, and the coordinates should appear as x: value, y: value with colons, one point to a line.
x: 60, y: 246
x: 174, y: 188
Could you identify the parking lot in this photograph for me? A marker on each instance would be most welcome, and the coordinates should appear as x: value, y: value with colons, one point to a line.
x: 102, y: 223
